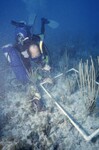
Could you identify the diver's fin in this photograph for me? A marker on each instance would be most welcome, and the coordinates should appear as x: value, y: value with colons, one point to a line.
x: 18, y: 24
x: 53, y: 24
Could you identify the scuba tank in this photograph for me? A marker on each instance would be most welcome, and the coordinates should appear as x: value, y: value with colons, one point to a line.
x: 16, y: 63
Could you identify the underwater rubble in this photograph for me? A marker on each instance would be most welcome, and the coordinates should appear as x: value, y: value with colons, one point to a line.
x: 22, y: 128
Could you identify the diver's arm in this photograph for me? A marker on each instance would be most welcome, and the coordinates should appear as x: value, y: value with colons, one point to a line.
x: 45, y: 53
x: 46, y: 59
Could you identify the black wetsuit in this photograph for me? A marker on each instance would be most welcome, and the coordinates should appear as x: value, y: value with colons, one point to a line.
x: 25, y: 47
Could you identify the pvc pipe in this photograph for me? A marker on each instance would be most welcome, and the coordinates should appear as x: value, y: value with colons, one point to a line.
x: 80, y: 130
x: 72, y: 69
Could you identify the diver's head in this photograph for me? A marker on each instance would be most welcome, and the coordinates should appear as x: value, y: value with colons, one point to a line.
x: 34, y: 51
x: 20, y: 34
x: 20, y: 38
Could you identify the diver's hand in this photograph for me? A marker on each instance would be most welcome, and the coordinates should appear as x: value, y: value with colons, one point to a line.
x: 46, y: 68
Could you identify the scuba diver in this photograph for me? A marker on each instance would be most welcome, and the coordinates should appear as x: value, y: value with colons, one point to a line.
x: 31, y: 46
x: 28, y: 49
x: 28, y: 55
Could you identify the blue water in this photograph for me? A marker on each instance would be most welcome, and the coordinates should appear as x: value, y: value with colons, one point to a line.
x: 78, y: 21
x: 76, y: 18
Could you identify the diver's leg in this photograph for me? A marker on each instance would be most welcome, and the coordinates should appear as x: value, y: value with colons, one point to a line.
x: 18, y: 24
x: 44, y: 21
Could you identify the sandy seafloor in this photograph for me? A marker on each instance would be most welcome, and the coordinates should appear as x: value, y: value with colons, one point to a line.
x: 22, y: 129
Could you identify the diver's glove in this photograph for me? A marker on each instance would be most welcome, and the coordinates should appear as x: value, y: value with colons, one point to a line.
x: 46, y: 67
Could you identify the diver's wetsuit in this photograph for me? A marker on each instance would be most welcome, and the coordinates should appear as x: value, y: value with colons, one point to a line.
x: 24, y: 48
x: 30, y: 40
